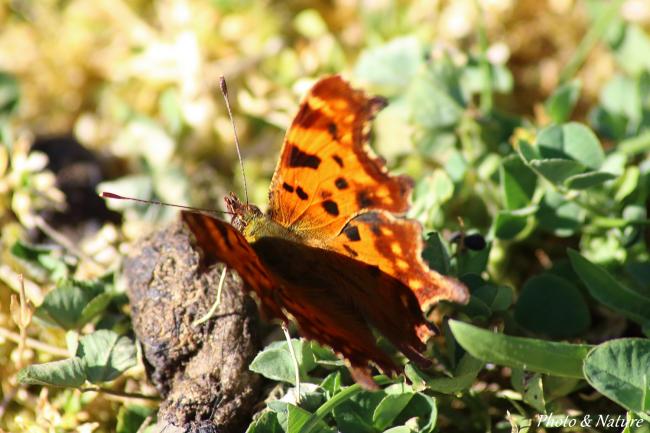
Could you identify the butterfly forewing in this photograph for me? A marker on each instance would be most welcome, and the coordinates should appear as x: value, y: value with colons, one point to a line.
x: 326, y: 173
x: 221, y: 242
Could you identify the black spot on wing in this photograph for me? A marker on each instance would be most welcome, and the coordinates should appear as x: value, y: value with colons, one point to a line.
x: 223, y: 231
x: 364, y: 200
x: 287, y: 187
x: 341, y: 183
x: 333, y: 131
x: 352, y: 232
x: 331, y: 207
x: 302, y: 194
x: 350, y: 251
x: 298, y: 158
x: 337, y: 159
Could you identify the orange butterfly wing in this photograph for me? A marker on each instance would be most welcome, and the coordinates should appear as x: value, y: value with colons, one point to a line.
x: 351, y: 265
x: 326, y: 173
x: 395, y: 246
x: 282, y: 273
x: 329, y: 188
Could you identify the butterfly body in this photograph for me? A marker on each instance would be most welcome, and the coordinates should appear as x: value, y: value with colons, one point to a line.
x: 333, y: 253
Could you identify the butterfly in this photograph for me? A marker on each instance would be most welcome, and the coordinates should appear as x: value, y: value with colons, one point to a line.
x: 334, y: 253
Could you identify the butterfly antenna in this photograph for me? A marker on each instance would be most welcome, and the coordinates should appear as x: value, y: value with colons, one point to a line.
x: 224, y: 92
x: 160, y: 203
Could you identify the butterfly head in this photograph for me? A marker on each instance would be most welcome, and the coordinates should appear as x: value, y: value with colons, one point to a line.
x: 242, y: 213
x: 253, y: 224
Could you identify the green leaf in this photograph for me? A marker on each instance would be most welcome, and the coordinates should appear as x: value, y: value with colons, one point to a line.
x: 557, y: 170
x: 105, y: 355
x: 474, y: 79
x: 627, y: 51
x: 627, y: 183
x: 392, y: 65
x: 557, y: 387
x: 9, y: 95
x: 356, y: 413
x: 267, y: 422
x: 70, y: 304
x: 464, y: 376
x: 620, y: 370
x: 322, y: 356
x: 507, y: 224
x: 332, y: 384
x: 48, y: 259
x: 435, y: 253
x: 436, y: 97
x: 131, y: 417
x: 562, y: 101
x: 639, y: 272
x: 66, y: 373
x: 275, y: 361
x: 389, y: 408
x: 560, y: 359
x: 518, y: 182
x: 473, y: 262
x: 526, y: 150
x: 559, y: 216
x: 424, y: 408
x: 496, y: 298
x: 534, y: 393
x: 567, y: 314
x: 608, y: 291
x: 571, y: 141
x: 588, y: 179
x: 95, y: 307
x: 297, y: 418
x: 349, y: 416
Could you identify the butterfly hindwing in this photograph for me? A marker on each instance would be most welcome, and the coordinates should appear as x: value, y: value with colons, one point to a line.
x: 395, y: 246
x: 353, y: 297
x: 326, y: 172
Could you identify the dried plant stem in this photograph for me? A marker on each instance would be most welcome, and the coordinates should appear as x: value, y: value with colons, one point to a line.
x: 296, y: 367
x: 209, y: 314
x: 145, y: 424
x: 22, y: 316
x: 66, y: 243
x: 120, y: 393
x: 34, y: 344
